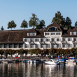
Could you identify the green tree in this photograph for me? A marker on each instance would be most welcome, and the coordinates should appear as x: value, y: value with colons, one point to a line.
x: 11, y: 24
x: 58, y: 19
x: 41, y: 25
x: 68, y: 22
x: 34, y: 21
x: 24, y: 24
x: 2, y: 28
x: 76, y: 23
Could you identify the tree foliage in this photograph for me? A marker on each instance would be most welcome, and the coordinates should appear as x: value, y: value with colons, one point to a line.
x: 24, y: 24
x: 76, y: 23
x: 2, y: 28
x: 34, y: 21
x: 41, y: 25
x: 11, y: 24
x: 68, y: 22
x: 58, y: 18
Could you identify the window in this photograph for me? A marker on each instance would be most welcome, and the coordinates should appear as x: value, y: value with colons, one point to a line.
x: 31, y: 40
x: 58, y: 45
x: 5, y: 45
x: 47, y: 39
x: 25, y: 40
x: 10, y: 45
x: 0, y: 45
x: 46, y: 33
x: 76, y: 33
x: 69, y: 39
x: 28, y: 34
x: 75, y: 45
x: 36, y: 46
x: 70, y: 33
x: 42, y: 45
x: 63, y: 45
x: 26, y: 45
x: 42, y: 40
x: 74, y: 39
x: 73, y: 33
x: 52, y: 45
x: 15, y: 45
x: 52, y: 29
x: 20, y: 45
x: 58, y: 33
x: 32, y: 46
x: 31, y: 34
x: 57, y: 39
x: 63, y: 39
x: 37, y: 40
x: 47, y: 45
x: 52, y: 39
x: 69, y: 45
x: 52, y: 33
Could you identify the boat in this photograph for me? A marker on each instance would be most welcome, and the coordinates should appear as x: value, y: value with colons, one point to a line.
x: 27, y: 61
x: 10, y: 61
x: 71, y: 61
x: 50, y: 62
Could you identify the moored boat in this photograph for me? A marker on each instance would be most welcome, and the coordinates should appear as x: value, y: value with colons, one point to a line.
x: 71, y: 61
x: 50, y: 62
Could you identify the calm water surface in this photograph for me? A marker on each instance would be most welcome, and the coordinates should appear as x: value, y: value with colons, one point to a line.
x: 36, y: 70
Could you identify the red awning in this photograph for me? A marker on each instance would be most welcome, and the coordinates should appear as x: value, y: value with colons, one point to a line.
x: 59, y: 57
x: 16, y: 57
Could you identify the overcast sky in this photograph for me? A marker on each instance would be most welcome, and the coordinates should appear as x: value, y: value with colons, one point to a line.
x: 18, y: 10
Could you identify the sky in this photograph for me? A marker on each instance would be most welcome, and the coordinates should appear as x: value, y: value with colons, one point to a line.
x: 18, y: 10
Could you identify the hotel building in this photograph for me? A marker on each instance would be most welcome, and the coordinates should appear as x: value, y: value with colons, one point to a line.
x: 53, y: 36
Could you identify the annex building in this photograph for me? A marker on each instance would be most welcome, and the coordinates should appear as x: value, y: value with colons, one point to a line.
x: 53, y: 36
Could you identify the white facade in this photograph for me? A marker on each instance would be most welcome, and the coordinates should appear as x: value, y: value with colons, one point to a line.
x: 50, y: 42
x: 52, y: 39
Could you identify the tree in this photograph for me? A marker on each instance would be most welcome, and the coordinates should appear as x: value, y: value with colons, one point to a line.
x: 76, y: 23
x: 34, y: 21
x: 24, y: 24
x: 2, y: 28
x: 11, y: 24
x: 58, y: 19
x: 41, y: 25
x: 68, y: 22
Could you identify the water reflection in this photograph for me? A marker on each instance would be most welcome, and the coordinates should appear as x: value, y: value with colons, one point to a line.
x: 37, y: 70
x: 49, y: 70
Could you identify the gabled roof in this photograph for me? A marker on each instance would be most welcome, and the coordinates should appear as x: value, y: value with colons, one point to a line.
x: 54, y: 25
x: 73, y: 29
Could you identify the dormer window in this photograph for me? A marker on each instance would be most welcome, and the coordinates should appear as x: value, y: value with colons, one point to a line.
x: 31, y: 34
x: 73, y: 33
x: 53, y: 33
x: 46, y: 33
x: 58, y: 33
x: 53, y: 29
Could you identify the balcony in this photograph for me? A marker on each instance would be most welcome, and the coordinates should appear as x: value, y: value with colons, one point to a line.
x: 74, y: 41
x: 64, y: 41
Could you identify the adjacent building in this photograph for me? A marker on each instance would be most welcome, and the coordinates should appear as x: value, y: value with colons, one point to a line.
x: 53, y: 36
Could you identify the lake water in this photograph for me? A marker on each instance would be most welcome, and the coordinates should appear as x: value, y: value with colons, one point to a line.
x: 37, y: 70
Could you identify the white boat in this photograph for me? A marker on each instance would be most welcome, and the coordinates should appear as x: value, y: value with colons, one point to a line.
x: 50, y: 62
x: 70, y: 62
